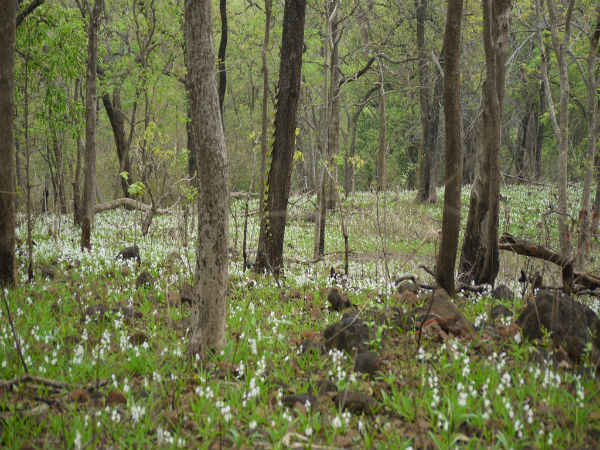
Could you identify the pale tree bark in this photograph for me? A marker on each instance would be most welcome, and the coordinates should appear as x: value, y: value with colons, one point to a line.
x: 479, y: 257
x: 592, y: 83
x: 8, y: 266
x: 89, y: 186
x: 277, y: 188
x: 560, y: 125
x: 446, y: 259
x: 210, y: 288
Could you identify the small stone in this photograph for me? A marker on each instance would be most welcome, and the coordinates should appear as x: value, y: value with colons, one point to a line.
x: 356, y: 402
x: 80, y: 396
x: 338, y: 301
x: 502, y: 292
x: 116, y: 398
x: 173, y: 298
x: 367, y: 362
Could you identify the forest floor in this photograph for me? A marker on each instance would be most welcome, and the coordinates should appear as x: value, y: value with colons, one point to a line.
x: 105, y: 351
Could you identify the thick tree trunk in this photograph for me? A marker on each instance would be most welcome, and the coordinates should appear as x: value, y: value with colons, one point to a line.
x: 479, y: 259
x: 429, y: 100
x: 454, y: 159
x: 210, y: 289
x: 277, y: 189
x: 8, y: 267
x: 89, y: 187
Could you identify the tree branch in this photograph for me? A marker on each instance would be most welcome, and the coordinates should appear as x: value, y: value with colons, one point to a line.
x: 28, y: 10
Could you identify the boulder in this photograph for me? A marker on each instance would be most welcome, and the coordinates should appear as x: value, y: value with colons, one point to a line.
x: 571, y: 324
x: 350, y: 334
x: 502, y: 292
x: 446, y: 314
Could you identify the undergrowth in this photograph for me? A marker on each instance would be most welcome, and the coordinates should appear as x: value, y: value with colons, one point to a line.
x: 109, y: 366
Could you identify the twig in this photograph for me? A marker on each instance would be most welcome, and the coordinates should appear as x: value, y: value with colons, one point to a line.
x: 12, y: 326
x: 30, y: 378
x: 428, y: 270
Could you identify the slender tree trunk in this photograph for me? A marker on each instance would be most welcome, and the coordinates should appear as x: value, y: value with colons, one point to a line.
x: 221, y: 58
x: 117, y: 122
x: 277, y: 189
x: 560, y: 124
x: 592, y: 113
x: 381, y: 141
x: 331, y: 126
x: 539, y: 138
x: 454, y: 158
x: 8, y: 266
x: 210, y: 289
x: 265, y: 112
x: 89, y: 187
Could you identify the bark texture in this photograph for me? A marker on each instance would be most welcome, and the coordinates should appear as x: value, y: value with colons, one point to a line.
x: 429, y: 100
x: 454, y: 159
x: 89, y: 185
x: 8, y: 267
x: 270, y: 243
x: 209, y: 305
x: 560, y: 125
x: 479, y: 257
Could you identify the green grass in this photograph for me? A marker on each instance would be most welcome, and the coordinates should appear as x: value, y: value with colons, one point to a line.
x: 472, y: 394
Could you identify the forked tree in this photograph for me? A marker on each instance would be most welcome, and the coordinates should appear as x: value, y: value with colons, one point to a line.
x: 479, y: 257
x: 208, y: 309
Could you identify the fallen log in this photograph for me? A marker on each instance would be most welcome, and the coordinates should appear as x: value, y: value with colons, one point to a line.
x: 128, y: 203
x: 569, y: 276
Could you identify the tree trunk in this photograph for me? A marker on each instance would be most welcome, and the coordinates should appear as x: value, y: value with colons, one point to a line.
x: 221, y: 58
x: 592, y: 113
x: 265, y: 111
x: 210, y: 289
x: 454, y: 159
x: 117, y: 122
x: 430, y: 111
x: 8, y: 266
x: 479, y: 258
x: 277, y: 187
x: 560, y: 125
x: 539, y: 138
x: 89, y: 187
x: 381, y: 141
x: 331, y: 127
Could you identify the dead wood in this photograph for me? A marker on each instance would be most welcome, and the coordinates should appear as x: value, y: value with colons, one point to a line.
x: 569, y: 276
x: 128, y: 203
x: 33, y: 379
